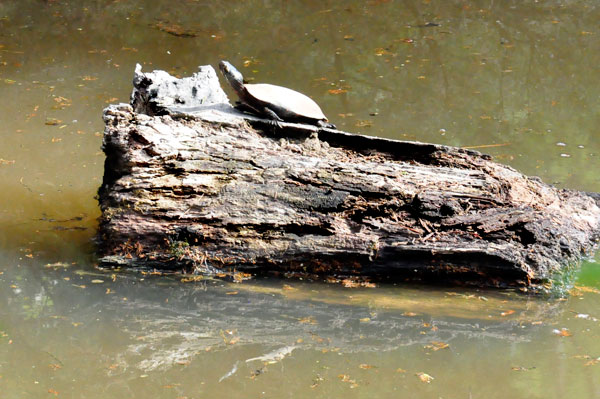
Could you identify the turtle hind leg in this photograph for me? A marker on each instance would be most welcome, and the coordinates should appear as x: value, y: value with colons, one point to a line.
x: 265, y: 112
x: 274, y: 119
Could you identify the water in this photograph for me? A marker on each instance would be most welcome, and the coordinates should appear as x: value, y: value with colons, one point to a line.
x: 519, y: 80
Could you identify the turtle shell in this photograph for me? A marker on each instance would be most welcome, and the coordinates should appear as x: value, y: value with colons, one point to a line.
x: 285, y: 99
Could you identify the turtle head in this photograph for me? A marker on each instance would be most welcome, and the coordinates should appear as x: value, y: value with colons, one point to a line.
x: 233, y: 76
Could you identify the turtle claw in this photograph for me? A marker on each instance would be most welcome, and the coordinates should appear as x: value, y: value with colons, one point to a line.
x: 275, y: 123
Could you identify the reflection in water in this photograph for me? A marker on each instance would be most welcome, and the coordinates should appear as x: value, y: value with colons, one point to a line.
x: 133, y: 333
x: 518, y: 80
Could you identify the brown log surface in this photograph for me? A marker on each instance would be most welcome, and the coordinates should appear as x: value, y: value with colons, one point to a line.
x: 192, y: 184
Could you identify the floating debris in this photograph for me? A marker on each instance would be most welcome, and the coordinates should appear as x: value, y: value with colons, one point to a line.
x: 563, y: 332
x: 175, y: 29
x: 231, y: 372
x: 274, y: 356
x: 424, y: 377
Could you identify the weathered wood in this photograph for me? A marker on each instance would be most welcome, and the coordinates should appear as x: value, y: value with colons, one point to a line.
x: 190, y: 183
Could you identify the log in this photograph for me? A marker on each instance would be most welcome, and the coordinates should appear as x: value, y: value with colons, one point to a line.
x: 192, y: 184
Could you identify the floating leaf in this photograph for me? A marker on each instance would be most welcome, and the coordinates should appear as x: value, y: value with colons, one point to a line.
x: 437, y: 345
x: 424, y: 377
x: 316, y: 381
x: 346, y: 378
x: 519, y: 368
x: 563, y: 332
x: 62, y: 102
x: 585, y: 316
x: 348, y: 283
x: 592, y: 362
x: 579, y: 289
x: 52, y: 121
x: 366, y: 366
x: 363, y: 123
x: 238, y: 277
x: 191, y: 279
x: 382, y: 51
x: 174, y: 29
x: 57, y: 264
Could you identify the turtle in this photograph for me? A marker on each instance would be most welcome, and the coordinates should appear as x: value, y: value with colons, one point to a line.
x: 274, y: 102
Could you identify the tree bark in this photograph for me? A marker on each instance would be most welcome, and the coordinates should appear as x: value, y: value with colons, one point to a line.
x: 192, y: 184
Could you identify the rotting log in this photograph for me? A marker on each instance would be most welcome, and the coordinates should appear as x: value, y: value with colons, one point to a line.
x: 192, y: 184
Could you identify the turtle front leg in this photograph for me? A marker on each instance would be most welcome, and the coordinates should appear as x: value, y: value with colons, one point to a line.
x: 243, y: 107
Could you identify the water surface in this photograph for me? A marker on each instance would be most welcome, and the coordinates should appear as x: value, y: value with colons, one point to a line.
x: 518, y: 80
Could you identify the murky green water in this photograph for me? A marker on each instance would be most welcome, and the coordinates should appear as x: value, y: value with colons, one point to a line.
x: 518, y: 79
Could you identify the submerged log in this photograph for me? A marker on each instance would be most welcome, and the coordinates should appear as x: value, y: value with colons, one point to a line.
x: 192, y: 184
